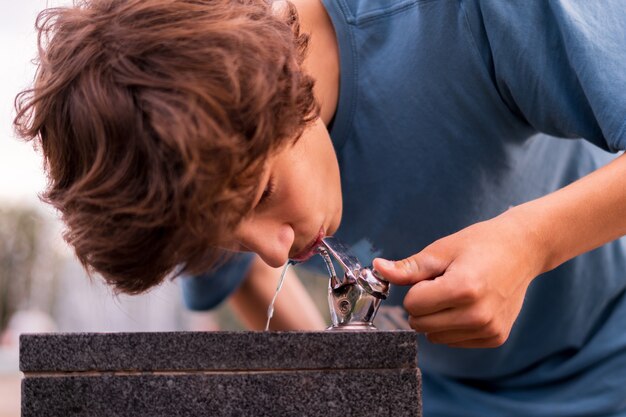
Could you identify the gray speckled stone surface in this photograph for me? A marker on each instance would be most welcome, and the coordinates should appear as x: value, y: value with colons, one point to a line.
x: 217, y: 351
x: 221, y: 374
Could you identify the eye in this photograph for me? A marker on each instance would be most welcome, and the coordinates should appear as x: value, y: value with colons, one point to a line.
x: 267, y: 192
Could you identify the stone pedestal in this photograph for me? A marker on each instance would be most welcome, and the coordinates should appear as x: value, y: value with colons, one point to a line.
x: 256, y: 374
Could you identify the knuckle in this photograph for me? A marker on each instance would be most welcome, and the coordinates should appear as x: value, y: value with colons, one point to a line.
x: 492, y: 330
x: 417, y: 325
x: 495, y: 334
x: 433, y: 338
x: 502, y: 338
x: 469, y: 290
x: 430, y: 260
x: 496, y: 341
x: 408, y: 305
x: 409, y: 265
x: 421, y: 325
x: 479, y: 318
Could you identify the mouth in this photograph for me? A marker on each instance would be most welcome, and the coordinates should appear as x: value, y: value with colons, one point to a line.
x: 311, y: 249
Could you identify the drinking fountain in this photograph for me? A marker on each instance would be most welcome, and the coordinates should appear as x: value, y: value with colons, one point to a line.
x: 351, y: 369
x: 355, y: 296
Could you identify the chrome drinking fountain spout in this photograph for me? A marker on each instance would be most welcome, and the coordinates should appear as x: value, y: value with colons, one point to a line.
x: 355, y: 296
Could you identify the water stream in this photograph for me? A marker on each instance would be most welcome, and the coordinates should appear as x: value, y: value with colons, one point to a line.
x: 270, y: 310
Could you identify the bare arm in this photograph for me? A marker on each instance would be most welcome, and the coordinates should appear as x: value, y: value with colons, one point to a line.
x: 294, y: 308
x: 476, y: 298
x: 580, y: 217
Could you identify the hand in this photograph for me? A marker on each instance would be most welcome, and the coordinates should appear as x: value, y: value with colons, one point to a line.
x: 468, y: 288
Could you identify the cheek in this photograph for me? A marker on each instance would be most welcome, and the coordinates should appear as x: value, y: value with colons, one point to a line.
x: 313, y: 178
x: 305, y: 195
x: 332, y: 184
x: 304, y: 200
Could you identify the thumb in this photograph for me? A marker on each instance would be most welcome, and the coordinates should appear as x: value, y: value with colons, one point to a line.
x: 411, y: 270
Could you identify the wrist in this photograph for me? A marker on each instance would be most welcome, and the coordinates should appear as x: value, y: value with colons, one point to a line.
x: 530, y: 234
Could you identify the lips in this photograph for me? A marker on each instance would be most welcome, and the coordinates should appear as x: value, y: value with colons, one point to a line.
x: 310, y: 249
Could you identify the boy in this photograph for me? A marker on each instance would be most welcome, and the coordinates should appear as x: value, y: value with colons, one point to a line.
x: 175, y: 130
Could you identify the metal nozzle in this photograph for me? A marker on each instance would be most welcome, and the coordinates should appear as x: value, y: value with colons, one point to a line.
x: 353, y: 297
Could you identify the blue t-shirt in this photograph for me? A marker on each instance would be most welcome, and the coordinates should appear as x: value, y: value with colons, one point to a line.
x: 444, y: 116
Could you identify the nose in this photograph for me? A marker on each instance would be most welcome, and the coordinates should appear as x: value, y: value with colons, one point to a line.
x: 270, y: 241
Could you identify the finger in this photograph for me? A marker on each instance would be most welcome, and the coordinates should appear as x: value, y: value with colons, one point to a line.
x: 441, y: 321
x: 487, y: 343
x: 427, y: 298
x: 466, y: 338
x: 445, y: 320
x: 432, y: 296
x: 426, y: 264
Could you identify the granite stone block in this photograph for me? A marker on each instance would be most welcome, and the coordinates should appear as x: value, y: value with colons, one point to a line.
x: 221, y: 374
x: 217, y: 351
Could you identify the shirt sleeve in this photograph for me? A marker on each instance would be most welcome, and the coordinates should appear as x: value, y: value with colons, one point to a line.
x: 558, y: 64
x: 206, y: 291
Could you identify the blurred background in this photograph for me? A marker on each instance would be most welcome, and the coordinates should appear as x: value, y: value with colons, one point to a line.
x: 42, y: 287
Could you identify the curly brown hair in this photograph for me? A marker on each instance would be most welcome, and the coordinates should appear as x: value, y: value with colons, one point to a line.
x: 155, y: 119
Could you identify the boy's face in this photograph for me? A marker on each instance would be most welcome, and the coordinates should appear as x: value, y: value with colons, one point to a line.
x: 297, y: 203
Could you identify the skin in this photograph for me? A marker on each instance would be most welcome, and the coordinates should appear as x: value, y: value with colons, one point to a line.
x: 305, y: 200
x: 305, y: 177
x: 305, y: 203
x: 463, y: 299
x: 294, y: 309
x: 458, y: 296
